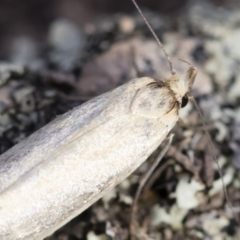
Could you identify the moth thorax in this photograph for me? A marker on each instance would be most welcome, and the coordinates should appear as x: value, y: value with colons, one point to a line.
x: 181, y: 84
x: 178, y: 87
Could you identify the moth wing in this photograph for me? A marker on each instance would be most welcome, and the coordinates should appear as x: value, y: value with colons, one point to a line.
x: 93, y: 158
x: 27, y: 154
x: 30, y: 152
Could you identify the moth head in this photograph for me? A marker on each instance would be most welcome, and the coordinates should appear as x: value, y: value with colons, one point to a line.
x: 181, y: 85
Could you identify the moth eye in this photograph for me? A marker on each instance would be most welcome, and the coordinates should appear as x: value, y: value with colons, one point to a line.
x: 184, y: 101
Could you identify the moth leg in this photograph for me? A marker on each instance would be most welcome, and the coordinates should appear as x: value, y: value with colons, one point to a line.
x: 144, y: 179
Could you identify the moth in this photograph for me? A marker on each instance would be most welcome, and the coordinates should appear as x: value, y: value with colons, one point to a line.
x: 59, y: 171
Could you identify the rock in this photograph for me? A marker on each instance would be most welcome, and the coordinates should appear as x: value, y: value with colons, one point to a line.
x: 67, y: 42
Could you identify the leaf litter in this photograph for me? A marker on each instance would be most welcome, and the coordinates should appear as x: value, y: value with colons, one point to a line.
x: 184, y: 196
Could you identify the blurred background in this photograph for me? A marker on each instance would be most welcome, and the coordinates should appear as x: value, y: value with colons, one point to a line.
x: 56, y: 54
x: 33, y: 18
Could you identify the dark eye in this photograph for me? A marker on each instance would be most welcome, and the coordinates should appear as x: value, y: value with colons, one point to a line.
x: 184, y: 101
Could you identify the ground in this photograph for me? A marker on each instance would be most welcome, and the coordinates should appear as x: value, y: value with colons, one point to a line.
x: 184, y: 197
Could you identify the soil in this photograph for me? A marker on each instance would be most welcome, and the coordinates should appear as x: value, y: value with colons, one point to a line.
x: 72, y: 60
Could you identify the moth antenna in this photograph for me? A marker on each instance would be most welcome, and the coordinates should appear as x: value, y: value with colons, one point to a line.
x: 155, y: 36
x: 182, y: 60
x: 213, y: 155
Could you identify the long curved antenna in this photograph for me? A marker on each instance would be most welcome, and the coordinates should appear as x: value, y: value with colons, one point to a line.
x: 191, y: 98
x: 155, y: 36
x: 182, y: 60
